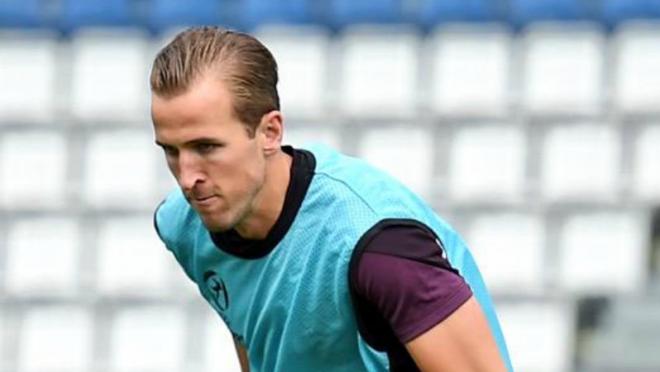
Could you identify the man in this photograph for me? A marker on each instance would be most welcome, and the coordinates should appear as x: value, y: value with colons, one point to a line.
x: 314, y: 260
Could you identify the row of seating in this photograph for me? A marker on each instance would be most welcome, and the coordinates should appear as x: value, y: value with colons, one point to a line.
x: 173, y: 338
x: 159, y: 15
x: 493, y: 164
x: 363, y: 74
x: 68, y: 256
x: 76, y: 337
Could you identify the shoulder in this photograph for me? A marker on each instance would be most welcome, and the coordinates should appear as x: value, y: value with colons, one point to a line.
x: 400, y: 270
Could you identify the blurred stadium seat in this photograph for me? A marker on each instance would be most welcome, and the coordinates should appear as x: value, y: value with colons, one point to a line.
x: 300, y: 135
x: 496, y: 238
x: 430, y: 13
x: 341, y: 13
x: 525, y: 12
x: 303, y: 59
x: 56, y: 338
x: 22, y: 13
x: 110, y: 76
x: 119, y: 170
x: 574, y: 55
x: 591, y: 262
x: 646, y: 177
x: 98, y: 13
x: 130, y: 262
x: 44, y: 264
x: 28, y: 75
x: 379, y: 72
x: 454, y: 54
x: 164, y: 15
x: 147, y: 338
x: 260, y: 12
x: 540, y: 334
x: 405, y: 152
x: 581, y: 163
x: 219, y: 345
x: 614, y: 12
x: 487, y: 164
x: 33, y: 170
x: 637, y: 69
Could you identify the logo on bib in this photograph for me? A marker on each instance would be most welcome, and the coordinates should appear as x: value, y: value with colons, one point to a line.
x: 217, y: 290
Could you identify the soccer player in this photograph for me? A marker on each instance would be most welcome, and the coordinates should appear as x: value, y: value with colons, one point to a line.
x: 315, y: 261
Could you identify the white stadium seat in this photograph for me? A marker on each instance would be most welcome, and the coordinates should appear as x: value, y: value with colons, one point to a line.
x: 603, y: 253
x: 636, y: 75
x: 220, y: 354
x: 43, y: 257
x: 487, y: 164
x: 581, y: 162
x: 509, y: 248
x: 540, y: 335
x: 110, y: 79
x: 27, y: 76
x: 455, y: 55
x: 405, y: 152
x: 33, y: 169
x: 563, y: 69
x: 379, y: 72
x: 131, y: 258
x: 120, y: 169
x: 302, y: 65
x: 149, y: 338
x: 646, y: 174
x: 302, y: 135
x: 56, y: 338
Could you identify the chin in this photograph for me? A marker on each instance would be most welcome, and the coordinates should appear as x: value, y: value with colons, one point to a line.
x: 217, y: 227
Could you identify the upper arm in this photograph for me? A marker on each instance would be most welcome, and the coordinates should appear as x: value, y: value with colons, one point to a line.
x: 465, y: 340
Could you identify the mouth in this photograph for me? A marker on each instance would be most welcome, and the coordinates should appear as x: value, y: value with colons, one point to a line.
x: 204, y: 201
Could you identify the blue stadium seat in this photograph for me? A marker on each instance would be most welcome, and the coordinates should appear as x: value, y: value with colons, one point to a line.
x: 432, y: 12
x: 258, y: 12
x: 83, y: 13
x: 167, y: 14
x: 346, y: 12
x: 20, y: 13
x: 523, y: 12
x: 614, y: 12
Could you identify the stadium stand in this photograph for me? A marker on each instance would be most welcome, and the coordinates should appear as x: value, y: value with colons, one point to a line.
x: 163, y: 15
x: 22, y: 13
x: 76, y: 14
x: 533, y: 126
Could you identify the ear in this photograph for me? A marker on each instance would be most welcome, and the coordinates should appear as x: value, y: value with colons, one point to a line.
x: 271, y: 130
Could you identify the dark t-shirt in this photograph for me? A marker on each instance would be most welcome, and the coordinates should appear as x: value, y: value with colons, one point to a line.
x: 401, y: 282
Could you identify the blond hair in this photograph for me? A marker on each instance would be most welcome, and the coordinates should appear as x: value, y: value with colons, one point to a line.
x: 242, y: 62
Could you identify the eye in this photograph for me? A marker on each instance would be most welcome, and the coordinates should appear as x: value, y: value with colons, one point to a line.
x: 170, y: 151
x: 205, y: 148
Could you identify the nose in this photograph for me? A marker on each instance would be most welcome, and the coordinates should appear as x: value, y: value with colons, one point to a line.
x: 190, y: 171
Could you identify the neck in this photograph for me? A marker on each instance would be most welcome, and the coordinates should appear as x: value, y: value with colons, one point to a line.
x: 269, y: 201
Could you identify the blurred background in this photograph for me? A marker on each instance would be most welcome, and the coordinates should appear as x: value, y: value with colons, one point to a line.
x: 533, y: 127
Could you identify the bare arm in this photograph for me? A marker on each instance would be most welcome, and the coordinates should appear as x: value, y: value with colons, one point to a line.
x: 461, y: 343
x: 242, y: 356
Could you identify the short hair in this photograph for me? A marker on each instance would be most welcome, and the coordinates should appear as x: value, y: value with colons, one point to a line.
x: 241, y: 61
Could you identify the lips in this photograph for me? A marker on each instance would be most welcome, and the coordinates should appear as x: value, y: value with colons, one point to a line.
x: 205, y: 201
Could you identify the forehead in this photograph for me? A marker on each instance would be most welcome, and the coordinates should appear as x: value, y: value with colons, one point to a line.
x: 206, y: 106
